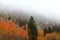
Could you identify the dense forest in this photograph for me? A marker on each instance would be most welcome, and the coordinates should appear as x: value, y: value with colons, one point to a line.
x: 12, y: 28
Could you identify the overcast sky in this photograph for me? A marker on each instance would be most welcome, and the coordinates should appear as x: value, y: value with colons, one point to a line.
x: 48, y: 8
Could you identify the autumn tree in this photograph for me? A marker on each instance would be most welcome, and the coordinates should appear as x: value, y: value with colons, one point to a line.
x: 32, y: 30
x: 45, y: 31
x: 48, y: 30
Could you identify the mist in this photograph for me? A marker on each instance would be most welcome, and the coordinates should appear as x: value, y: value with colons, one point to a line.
x: 50, y: 9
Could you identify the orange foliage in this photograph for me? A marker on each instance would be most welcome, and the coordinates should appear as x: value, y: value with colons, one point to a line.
x: 1, y: 24
x: 25, y: 34
x: 23, y: 27
x: 40, y: 35
x: 19, y: 32
x: 8, y: 27
x: 12, y: 26
x: 5, y: 28
x: 50, y: 36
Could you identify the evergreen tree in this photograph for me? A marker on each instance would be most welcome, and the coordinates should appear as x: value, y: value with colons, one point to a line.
x: 49, y: 30
x: 9, y: 18
x: 32, y: 30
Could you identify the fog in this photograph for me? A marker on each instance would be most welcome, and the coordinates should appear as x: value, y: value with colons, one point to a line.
x: 48, y: 8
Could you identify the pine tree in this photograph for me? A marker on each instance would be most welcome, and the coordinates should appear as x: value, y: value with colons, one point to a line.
x: 32, y: 30
x: 49, y: 30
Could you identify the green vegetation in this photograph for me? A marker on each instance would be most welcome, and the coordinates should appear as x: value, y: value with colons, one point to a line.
x: 32, y: 32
